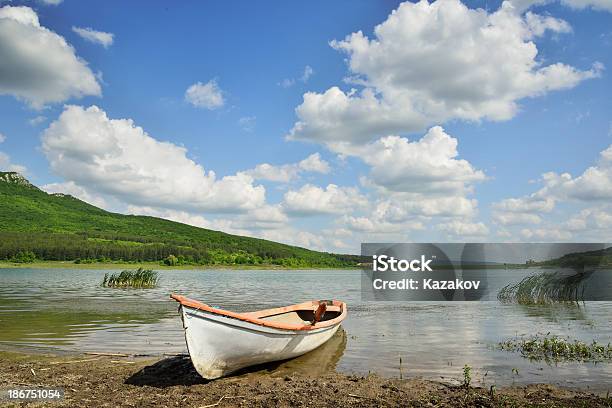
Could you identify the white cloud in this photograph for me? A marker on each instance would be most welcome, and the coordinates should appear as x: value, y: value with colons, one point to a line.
x: 528, y: 204
x: 538, y: 24
x: 594, y: 184
x: 281, y: 174
x: 311, y: 200
x: 5, y: 161
x: 462, y: 229
x: 315, y: 164
x: 289, y: 82
x: 268, y: 222
x: 38, y: 65
x: 592, y: 188
x: 293, y: 236
x: 247, y: 123
x: 118, y: 158
x: 515, y: 218
x: 398, y: 207
x: 35, y: 121
x: 97, y: 37
x: 208, y: 95
x: 308, y: 72
x: 288, y: 172
x: 76, y: 191
x: 378, y: 226
x: 428, y: 165
x: 432, y: 62
x: 7, y: 165
x: 51, y: 2
x: 597, y: 218
x: 264, y: 218
x: 546, y: 234
x: 411, y: 179
x: 523, y: 210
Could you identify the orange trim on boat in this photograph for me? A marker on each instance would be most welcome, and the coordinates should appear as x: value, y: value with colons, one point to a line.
x: 256, y: 317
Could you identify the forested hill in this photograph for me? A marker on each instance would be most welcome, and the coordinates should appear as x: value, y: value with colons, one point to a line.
x: 35, y: 225
x: 599, y: 258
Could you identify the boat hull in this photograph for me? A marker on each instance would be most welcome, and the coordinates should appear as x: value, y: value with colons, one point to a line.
x: 220, y: 345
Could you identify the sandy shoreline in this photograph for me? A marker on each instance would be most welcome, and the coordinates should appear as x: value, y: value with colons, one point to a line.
x: 116, y: 381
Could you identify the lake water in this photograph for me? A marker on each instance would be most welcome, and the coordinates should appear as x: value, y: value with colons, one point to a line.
x: 66, y: 310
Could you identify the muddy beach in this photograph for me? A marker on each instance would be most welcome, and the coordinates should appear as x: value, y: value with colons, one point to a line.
x: 117, y: 381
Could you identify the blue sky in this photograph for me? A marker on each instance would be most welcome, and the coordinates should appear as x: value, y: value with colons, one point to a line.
x: 461, y: 124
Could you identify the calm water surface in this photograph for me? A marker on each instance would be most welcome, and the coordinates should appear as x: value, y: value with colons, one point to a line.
x: 67, y: 310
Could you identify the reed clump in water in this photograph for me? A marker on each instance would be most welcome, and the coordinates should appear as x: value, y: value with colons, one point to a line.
x: 545, y: 288
x: 555, y: 348
x: 140, y: 278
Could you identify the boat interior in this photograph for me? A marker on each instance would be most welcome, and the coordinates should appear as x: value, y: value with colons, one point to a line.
x: 302, y: 316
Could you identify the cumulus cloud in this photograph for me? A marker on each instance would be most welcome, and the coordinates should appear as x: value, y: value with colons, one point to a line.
x: 312, y: 200
x: 268, y: 222
x: 592, y: 188
x: 5, y: 160
x: 208, y: 96
x: 97, y: 37
x: 76, y: 191
x: 118, y: 158
x: 431, y: 62
x: 419, y: 178
x: 596, y: 218
x: 7, y: 165
x: 464, y: 229
x: 37, y: 120
x: 522, y: 210
x: 263, y: 218
x: 399, y: 207
x: 38, y: 65
x: 427, y: 165
x: 288, y: 172
x: 372, y: 225
x: 546, y: 234
x: 289, y: 82
x: 538, y: 24
x: 594, y: 184
x: 528, y: 204
x: 516, y: 218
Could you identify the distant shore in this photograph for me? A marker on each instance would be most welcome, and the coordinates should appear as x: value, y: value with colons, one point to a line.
x: 121, y: 380
x: 150, y: 265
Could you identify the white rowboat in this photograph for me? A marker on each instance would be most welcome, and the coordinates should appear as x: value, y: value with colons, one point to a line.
x: 221, y: 342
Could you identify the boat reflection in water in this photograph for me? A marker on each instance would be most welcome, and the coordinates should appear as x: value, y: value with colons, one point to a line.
x: 321, y: 360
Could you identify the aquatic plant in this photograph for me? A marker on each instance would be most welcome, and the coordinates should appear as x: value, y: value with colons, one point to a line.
x: 467, y: 376
x: 555, y: 348
x: 140, y: 278
x: 545, y: 288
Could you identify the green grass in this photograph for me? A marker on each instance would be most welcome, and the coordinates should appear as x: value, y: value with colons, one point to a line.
x: 57, y: 227
x: 140, y: 278
x: 545, y: 288
x: 556, y: 349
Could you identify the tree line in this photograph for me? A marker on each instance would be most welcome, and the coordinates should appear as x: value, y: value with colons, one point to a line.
x: 105, y: 247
